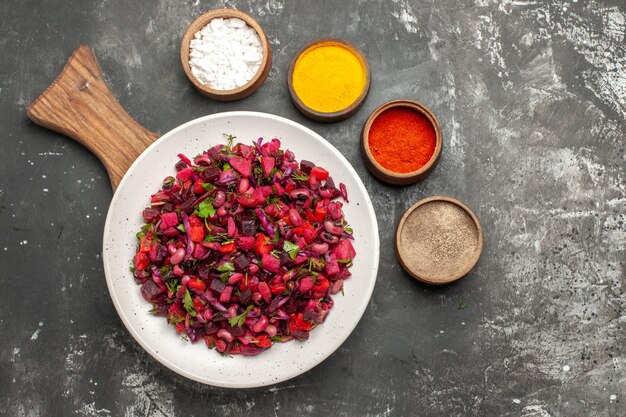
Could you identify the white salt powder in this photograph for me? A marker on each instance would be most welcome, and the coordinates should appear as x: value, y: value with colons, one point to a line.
x: 225, y: 54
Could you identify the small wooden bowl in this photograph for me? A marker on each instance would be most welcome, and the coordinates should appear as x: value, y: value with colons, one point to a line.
x: 439, y: 240
x: 386, y: 175
x: 246, y: 89
x: 332, y: 116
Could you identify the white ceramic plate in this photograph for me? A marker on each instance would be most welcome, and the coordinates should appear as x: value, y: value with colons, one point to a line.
x: 284, y: 360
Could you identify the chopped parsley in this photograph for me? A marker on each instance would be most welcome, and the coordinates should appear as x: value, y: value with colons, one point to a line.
x: 205, y: 209
x: 226, y: 267
x: 172, y: 285
x: 208, y: 186
x: 188, y: 303
x: 315, y: 264
x: 291, y: 248
x: 165, y: 272
x: 175, y: 320
x: 241, y: 318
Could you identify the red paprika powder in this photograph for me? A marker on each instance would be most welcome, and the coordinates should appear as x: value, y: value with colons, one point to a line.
x: 402, y: 139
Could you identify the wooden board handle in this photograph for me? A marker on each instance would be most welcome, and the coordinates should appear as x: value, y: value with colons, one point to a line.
x: 80, y: 105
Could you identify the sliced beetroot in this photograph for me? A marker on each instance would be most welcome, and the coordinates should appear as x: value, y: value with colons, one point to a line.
x: 344, y: 250
x: 274, y: 304
x: 241, y: 262
x: 210, y: 174
x: 306, y: 284
x: 184, y: 174
x: 140, y: 276
x: 267, y: 164
x: 311, y: 316
x: 300, y: 334
x: 332, y: 266
x: 245, y: 242
x: 250, y: 350
x: 270, y: 263
x: 245, y: 297
x: 241, y: 165
x: 150, y: 291
x: 217, y: 286
x: 169, y: 220
x: 180, y: 165
x: 248, y: 227
x: 151, y: 214
x: 306, y: 166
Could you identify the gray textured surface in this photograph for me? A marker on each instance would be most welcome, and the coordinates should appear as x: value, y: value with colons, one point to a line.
x: 532, y: 100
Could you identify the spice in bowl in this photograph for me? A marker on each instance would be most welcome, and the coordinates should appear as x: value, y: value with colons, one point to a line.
x: 225, y: 54
x: 401, y: 141
x: 329, y: 79
x: 439, y: 240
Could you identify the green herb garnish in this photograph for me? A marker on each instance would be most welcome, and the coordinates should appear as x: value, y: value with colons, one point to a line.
x: 299, y: 177
x: 165, y: 272
x: 205, y: 209
x: 462, y: 305
x: 241, y: 318
x: 211, y: 238
x: 291, y: 248
x: 226, y: 267
x: 172, y: 285
x: 175, y: 320
x: 315, y: 264
x: 276, y: 237
x: 188, y: 303
x: 208, y: 186
x: 229, y: 141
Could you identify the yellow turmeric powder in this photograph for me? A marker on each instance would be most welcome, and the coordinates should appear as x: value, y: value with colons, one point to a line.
x: 329, y: 77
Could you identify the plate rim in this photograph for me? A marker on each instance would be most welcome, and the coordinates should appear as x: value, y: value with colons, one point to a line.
x: 145, y: 345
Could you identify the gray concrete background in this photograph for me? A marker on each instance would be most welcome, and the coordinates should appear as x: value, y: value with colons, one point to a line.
x: 532, y: 100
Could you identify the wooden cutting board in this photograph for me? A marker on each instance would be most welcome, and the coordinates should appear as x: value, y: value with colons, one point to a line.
x: 80, y: 105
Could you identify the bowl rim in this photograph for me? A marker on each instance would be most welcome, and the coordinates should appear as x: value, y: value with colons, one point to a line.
x: 108, y: 257
x: 470, y: 265
x: 340, y: 114
x: 203, y: 20
x: 422, y: 109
